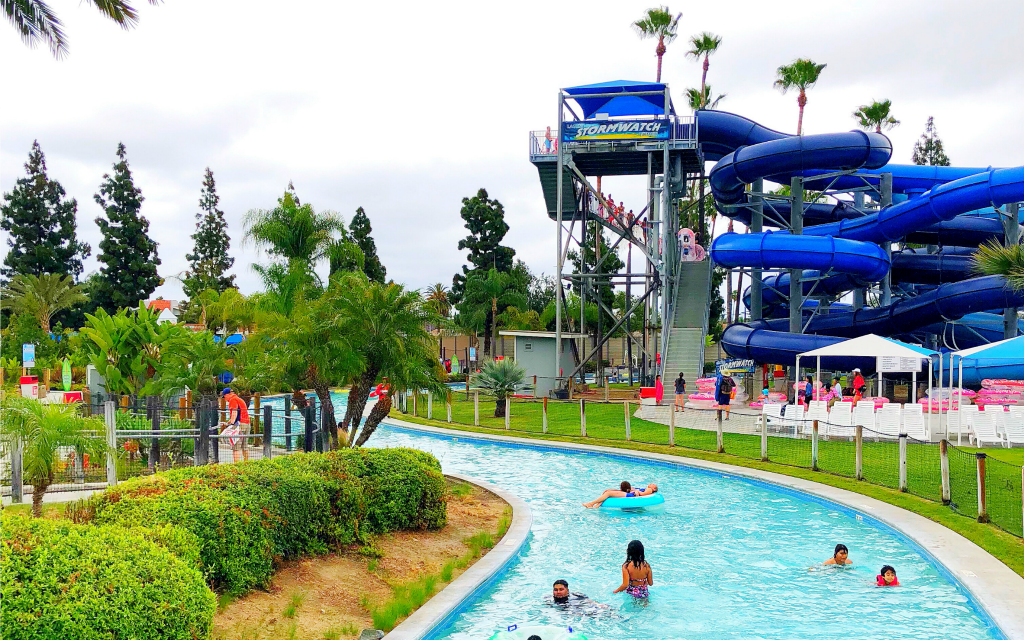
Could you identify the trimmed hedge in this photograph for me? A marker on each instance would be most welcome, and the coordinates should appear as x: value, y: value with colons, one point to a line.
x: 247, y: 517
x: 63, y: 580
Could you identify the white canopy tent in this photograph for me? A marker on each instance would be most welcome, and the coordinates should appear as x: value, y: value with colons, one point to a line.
x: 872, y: 346
x: 1001, y: 349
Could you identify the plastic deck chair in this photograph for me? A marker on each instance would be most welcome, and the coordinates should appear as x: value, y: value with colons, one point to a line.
x: 1015, y: 427
x: 968, y: 412
x: 817, y: 410
x: 771, y: 412
x: 998, y: 414
x: 889, y: 420
x: 794, y: 418
x: 984, y: 431
x: 864, y: 415
x: 840, y: 420
x: 913, y: 422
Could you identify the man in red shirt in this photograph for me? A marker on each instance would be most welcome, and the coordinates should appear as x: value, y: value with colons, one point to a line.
x: 238, y: 417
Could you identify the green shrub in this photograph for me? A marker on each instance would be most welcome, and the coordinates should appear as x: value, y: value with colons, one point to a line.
x: 63, y: 580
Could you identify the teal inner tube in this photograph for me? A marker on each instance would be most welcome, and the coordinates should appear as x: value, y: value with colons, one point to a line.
x: 522, y: 632
x: 640, y: 502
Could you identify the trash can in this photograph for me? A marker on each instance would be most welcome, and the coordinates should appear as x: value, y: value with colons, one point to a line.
x: 30, y: 387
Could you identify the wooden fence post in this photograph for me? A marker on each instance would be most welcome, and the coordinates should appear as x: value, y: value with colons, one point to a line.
x: 430, y: 406
x: 720, y: 435
x: 476, y: 408
x: 982, y: 495
x: 814, y: 446
x: 629, y: 434
x: 672, y: 426
x: 181, y: 408
x: 583, y: 418
x: 903, y: 462
x: 255, y: 416
x: 124, y: 403
x: 415, y: 399
x: 17, y: 475
x: 189, y: 413
x: 544, y: 416
x: 154, y: 407
x: 268, y: 431
x: 858, y: 472
x: 944, y: 469
x: 110, y: 422
x: 508, y: 412
x: 45, y: 387
x: 86, y: 400
x: 764, y: 438
x: 607, y: 393
x: 448, y: 407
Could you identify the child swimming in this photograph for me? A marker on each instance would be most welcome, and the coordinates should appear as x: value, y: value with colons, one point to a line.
x: 840, y: 556
x: 636, y: 573
x: 887, y: 577
x: 625, y: 490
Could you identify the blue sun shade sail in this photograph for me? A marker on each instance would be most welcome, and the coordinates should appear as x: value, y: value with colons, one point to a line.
x: 232, y: 340
x: 612, y: 105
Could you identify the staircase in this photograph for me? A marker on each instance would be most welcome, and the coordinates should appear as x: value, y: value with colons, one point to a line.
x: 546, y: 167
x: 689, y: 323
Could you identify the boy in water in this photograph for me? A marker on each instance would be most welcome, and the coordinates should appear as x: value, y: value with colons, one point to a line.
x: 840, y: 556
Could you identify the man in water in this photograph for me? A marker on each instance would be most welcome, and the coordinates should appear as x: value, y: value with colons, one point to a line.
x: 563, y: 598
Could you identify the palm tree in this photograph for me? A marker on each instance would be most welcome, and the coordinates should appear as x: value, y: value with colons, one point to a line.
x: 704, y: 45
x: 698, y: 100
x: 41, y: 429
x: 485, y: 293
x: 658, y: 23
x: 876, y: 116
x: 41, y: 296
x: 437, y: 300
x: 201, y: 360
x: 35, y: 21
x: 802, y: 74
x: 993, y: 259
x: 501, y: 378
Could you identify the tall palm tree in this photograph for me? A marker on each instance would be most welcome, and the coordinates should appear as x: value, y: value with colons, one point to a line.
x: 41, y: 430
x: 993, y: 259
x: 41, y: 296
x: 292, y: 231
x: 876, y: 116
x: 699, y: 100
x: 484, y: 293
x: 35, y: 21
x: 437, y: 299
x: 802, y: 74
x: 704, y: 45
x: 658, y: 23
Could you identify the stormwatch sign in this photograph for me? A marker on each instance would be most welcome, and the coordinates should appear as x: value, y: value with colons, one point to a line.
x: 625, y: 130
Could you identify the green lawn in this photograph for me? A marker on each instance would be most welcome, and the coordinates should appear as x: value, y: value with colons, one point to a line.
x: 836, y: 462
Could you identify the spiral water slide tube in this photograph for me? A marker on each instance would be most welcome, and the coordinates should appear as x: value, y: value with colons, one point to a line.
x: 845, y: 245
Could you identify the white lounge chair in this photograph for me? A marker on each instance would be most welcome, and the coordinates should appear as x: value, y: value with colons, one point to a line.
x: 864, y: 416
x: 1015, y: 427
x: 889, y: 423
x: 840, y: 421
x: 984, y: 431
x: 771, y: 412
x: 913, y: 422
x: 998, y: 414
x: 818, y: 410
x: 794, y: 418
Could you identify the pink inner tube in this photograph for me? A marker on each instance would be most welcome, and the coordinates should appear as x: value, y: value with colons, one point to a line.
x: 938, y: 405
x: 1000, y: 382
x: 698, y: 397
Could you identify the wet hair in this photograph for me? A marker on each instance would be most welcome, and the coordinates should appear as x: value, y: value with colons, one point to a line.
x: 886, y: 567
x: 561, y: 582
x: 625, y: 486
x: 534, y: 637
x: 840, y: 547
x: 635, y: 554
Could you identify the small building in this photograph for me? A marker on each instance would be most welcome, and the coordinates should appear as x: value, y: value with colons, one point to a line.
x: 535, y: 352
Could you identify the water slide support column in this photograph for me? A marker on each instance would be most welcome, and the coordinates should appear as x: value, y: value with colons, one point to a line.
x: 796, y: 217
x: 858, y: 293
x: 664, y: 253
x: 886, y: 200
x: 1011, y: 236
x: 558, y: 244
x: 756, y: 223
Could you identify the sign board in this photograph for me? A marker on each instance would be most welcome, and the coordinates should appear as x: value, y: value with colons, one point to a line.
x: 653, y: 129
x: 896, y: 364
x: 28, y: 355
x: 472, y: 353
x: 733, y: 367
x: 65, y: 375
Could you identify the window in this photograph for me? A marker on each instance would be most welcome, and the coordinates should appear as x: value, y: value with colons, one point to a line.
x: 527, y: 346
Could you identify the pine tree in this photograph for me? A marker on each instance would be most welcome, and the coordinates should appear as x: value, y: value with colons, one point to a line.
x: 485, y: 219
x: 128, y: 254
x: 360, y: 229
x: 928, y: 150
x: 41, y: 223
x: 209, y: 260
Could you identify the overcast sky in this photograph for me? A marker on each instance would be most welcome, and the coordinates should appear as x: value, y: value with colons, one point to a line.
x: 406, y: 110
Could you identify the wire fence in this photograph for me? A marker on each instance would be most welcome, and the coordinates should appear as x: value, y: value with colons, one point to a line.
x: 885, y: 458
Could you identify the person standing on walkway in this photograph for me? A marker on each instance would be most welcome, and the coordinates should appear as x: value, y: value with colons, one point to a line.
x: 238, y: 417
x: 724, y: 396
x: 659, y: 389
x: 680, y: 392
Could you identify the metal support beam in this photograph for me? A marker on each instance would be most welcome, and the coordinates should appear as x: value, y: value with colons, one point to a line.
x: 756, y: 226
x: 558, y: 249
x: 885, y: 201
x: 796, y: 217
x: 1011, y: 236
x: 614, y: 328
x: 859, y: 294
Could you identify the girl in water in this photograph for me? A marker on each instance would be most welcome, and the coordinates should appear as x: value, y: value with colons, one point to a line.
x: 636, y: 573
x: 887, y: 577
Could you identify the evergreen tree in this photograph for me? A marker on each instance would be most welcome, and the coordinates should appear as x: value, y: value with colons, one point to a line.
x: 360, y: 229
x: 127, y: 253
x: 41, y: 223
x: 928, y: 150
x: 209, y: 261
x: 485, y: 219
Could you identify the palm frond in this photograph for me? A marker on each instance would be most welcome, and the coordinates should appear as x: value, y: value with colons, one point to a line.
x: 36, y: 22
x: 993, y: 259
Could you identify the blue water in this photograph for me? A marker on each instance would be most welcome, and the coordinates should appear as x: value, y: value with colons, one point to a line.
x: 338, y: 398
x: 731, y: 558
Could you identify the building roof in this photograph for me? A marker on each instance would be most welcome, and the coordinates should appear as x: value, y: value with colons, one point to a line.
x: 651, y: 105
x: 541, y: 334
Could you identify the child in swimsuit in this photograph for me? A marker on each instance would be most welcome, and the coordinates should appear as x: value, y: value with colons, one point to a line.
x: 636, y: 573
x: 625, y: 490
x: 887, y: 577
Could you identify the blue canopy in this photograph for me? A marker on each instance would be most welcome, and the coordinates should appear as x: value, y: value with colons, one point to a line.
x: 233, y: 339
x: 653, y: 105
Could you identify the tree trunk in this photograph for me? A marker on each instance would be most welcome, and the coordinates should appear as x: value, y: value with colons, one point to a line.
x: 499, y: 407
x: 704, y: 83
x: 38, y: 491
x: 378, y: 413
x: 661, y: 52
x: 358, y: 396
x: 801, y: 102
x: 494, y: 327
x: 323, y: 392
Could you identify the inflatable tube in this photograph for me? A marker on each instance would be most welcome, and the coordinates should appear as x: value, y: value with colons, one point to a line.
x: 628, y: 504
x: 1012, y: 384
x: 545, y: 632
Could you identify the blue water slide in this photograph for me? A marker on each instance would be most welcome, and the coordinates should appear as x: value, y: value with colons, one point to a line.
x: 784, y: 251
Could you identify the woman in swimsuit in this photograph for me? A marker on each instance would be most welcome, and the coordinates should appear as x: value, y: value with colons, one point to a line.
x: 636, y: 573
x: 625, y: 491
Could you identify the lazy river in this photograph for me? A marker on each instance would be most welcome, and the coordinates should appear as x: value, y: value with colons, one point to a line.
x: 732, y: 558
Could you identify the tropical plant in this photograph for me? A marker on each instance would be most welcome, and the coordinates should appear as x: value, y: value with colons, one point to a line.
x: 255, y: 365
x: 658, y: 22
x: 41, y: 296
x: 201, y: 361
x: 501, y: 378
x: 484, y: 294
x: 388, y: 327
x: 41, y: 430
x: 227, y: 312
x: 437, y: 300
x: 801, y: 74
x: 702, y: 100
x: 514, y: 319
x: 876, y: 116
x: 704, y: 45
x: 993, y: 259
x: 36, y: 22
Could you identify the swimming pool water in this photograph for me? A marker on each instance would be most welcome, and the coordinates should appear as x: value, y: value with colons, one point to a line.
x: 731, y: 558
x: 338, y: 398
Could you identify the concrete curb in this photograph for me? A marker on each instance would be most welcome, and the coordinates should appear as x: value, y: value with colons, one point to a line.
x: 994, y: 586
x: 451, y: 600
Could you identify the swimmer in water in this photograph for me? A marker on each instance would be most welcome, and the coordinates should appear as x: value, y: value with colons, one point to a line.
x: 625, y: 490
x: 840, y: 556
x: 637, y: 574
x: 578, y: 602
x: 887, y: 577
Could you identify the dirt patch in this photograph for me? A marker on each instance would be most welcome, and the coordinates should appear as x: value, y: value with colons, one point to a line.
x: 330, y: 597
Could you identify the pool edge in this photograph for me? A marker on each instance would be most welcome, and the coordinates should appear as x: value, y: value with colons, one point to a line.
x: 451, y: 600
x: 993, y: 586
